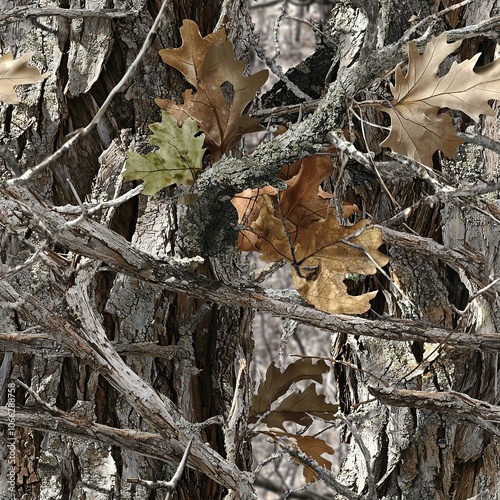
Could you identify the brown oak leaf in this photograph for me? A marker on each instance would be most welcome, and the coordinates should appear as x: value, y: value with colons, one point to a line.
x: 313, y: 447
x: 298, y: 225
x: 300, y: 407
x: 16, y: 72
x: 418, y: 127
x: 276, y: 383
x: 222, y: 93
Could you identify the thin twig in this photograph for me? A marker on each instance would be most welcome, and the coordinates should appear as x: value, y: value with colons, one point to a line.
x: 233, y: 413
x: 12, y: 271
x: 278, y: 71
x: 102, y: 110
x: 289, y: 109
x: 83, y: 213
x: 480, y: 140
x: 289, y: 447
x: 92, y: 208
x: 26, y: 12
x: 168, y: 485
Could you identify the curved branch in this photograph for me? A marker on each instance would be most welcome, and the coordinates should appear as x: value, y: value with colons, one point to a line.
x: 479, y: 412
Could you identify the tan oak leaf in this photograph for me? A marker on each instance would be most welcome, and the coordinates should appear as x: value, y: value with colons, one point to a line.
x: 16, y: 72
x: 419, y: 128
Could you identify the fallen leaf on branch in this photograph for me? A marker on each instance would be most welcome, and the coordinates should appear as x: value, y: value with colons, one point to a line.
x: 418, y: 128
x: 312, y: 446
x: 222, y: 94
x: 16, y: 72
x: 178, y: 159
x: 298, y: 225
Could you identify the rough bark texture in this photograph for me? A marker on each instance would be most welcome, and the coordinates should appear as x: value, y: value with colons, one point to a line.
x: 88, y: 56
x: 129, y: 344
x: 417, y: 452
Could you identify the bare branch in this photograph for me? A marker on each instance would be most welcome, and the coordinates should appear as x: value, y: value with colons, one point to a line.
x: 92, y: 208
x: 268, y: 484
x: 98, y: 242
x: 479, y: 412
x: 289, y: 447
x: 480, y: 140
x: 27, y: 11
x: 32, y: 341
x: 145, y: 443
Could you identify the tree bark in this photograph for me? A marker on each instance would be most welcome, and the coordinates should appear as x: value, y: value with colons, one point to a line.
x: 419, y: 449
x: 88, y: 55
x: 128, y: 329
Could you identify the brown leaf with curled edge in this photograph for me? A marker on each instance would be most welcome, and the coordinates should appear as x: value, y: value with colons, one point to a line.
x: 16, y: 72
x: 301, y: 408
x: 418, y: 129
x: 222, y: 92
x: 298, y: 226
x: 312, y: 446
x: 277, y: 383
x: 300, y: 204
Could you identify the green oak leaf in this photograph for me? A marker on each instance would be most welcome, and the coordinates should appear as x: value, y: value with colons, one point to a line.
x: 178, y: 159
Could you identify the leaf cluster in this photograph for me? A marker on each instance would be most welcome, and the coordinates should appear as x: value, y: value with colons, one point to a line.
x: 212, y: 115
x: 222, y: 93
x: 301, y: 407
x: 299, y: 225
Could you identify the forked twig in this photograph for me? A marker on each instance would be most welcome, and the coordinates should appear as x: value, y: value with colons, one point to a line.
x: 168, y: 485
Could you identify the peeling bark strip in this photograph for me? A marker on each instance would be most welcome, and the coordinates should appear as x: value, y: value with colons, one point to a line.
x: 479, y: 412
x: 97, y: 242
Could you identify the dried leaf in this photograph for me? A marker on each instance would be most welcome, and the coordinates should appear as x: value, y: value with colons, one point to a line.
x: 418, y: 129
x: 208, y: 63
x: 16, y: 72
x: 191, y: 55
x: 300, y: 204
x: 277, y: 383
x: 328, y: 292
x: 301, y: 407
x: 177, y: 160
x: 248, y: 211
x: 297, y: 407
x: 300, y: 228
x: 312, y: 446
x: 328, y: 251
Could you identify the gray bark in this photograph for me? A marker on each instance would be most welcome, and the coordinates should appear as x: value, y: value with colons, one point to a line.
x: 129, y: 331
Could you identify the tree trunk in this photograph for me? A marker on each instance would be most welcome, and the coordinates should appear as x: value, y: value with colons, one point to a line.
x: 201, y: 342
x: 126, y: 333
x: 417, y: 452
